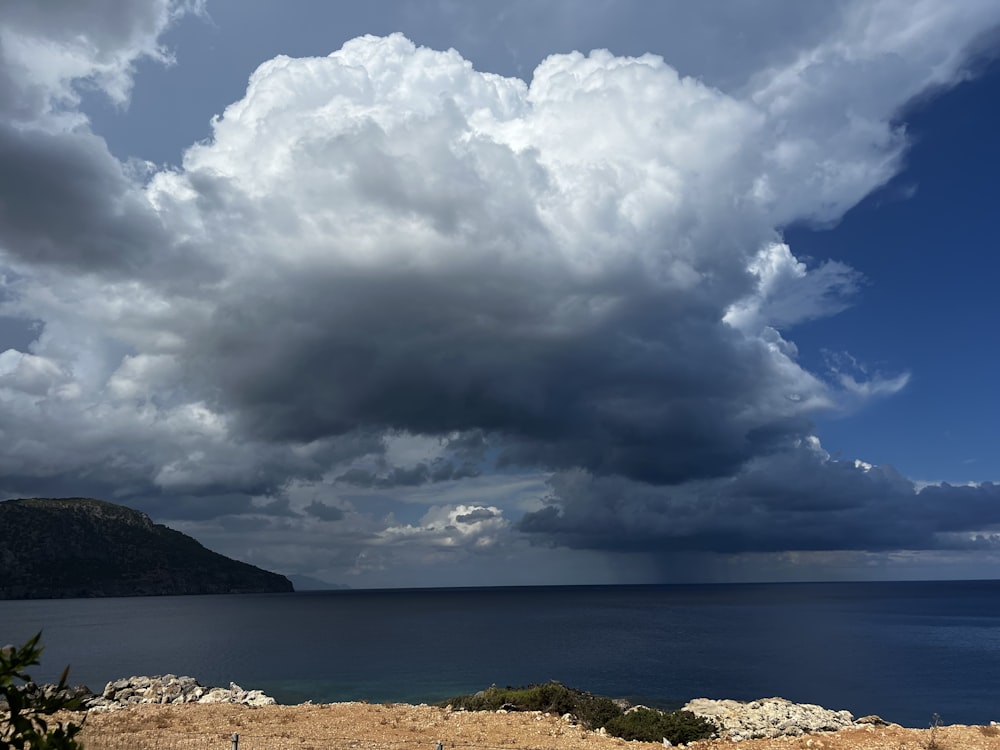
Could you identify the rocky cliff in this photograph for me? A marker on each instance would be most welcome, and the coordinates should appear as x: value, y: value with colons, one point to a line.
x: 80, y: 547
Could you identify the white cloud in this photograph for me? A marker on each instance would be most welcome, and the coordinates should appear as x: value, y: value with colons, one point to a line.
x: 470, y: 527
x: 50, y: 50
x: 30, y: 375
x: 859, y: 383
x: 877, y: 386
x: 787, y: 292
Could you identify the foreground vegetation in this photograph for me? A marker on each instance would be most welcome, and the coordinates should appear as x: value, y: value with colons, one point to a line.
x: 593, y: 711
x: 26, y: 712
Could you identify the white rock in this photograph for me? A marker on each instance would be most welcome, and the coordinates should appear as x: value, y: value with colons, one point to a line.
x: 768, y: 717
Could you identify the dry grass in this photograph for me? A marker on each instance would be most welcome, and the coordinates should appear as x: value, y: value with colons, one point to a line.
x: 363, y: 726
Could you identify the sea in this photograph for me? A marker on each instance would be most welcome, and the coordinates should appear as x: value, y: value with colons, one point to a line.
x: 906, y: 651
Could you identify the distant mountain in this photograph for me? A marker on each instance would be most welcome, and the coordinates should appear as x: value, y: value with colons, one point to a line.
x: 80, y: 547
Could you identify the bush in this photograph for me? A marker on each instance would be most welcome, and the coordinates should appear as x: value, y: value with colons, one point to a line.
x: 24, y: 722
x: 648, y: 725
x: 550, y: 697
x: 595, y: 712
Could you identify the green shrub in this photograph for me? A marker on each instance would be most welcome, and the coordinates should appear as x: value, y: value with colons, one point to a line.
x: 595, y: 712
x: 24, y: 722
x: 550, y: 697
x: 649, y: 725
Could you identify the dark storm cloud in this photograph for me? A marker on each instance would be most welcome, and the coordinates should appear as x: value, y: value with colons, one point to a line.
x: 397, y: 477
x: 323, y: 511
x: 279, y: 507
x: 65, y: 201
x: 479, y: 514
x: 421, y: 473
x: 653, y: 392
x: 254, y: 523
x: 798, y: 500
x: 183, y: 508
x: 444, y: 471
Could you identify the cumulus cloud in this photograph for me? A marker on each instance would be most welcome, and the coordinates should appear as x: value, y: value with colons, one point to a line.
x: 385, y: 250
x: 463, y: 526
x: 426, y: 237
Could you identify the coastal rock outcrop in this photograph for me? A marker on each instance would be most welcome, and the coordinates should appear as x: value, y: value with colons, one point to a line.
x: 159, y: 689
x: 172, y: 689
x: 768, y: 718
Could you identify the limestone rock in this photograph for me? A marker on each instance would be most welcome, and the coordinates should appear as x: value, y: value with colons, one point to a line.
x: 873, y: 720
x: 171, y: 689
x: 768, y: 718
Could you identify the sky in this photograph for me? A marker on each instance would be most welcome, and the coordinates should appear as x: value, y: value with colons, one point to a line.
x: 459, y: 294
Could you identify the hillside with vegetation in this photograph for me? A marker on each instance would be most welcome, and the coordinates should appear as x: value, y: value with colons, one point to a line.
x: 81, y: 547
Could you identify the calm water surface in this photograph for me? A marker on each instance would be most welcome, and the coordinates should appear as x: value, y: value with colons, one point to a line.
x: 902, y: 650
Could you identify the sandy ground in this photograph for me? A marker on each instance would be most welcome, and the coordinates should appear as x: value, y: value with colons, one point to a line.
x: 402, y: 727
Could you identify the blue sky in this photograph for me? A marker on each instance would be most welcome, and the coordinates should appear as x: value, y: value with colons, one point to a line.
x: 926, y: 244
x: 431, y: 293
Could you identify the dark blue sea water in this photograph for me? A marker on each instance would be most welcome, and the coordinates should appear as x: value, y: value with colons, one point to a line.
x: 902, y: 650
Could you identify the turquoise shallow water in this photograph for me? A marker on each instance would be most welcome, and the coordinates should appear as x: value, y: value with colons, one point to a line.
x: 901, y: 650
